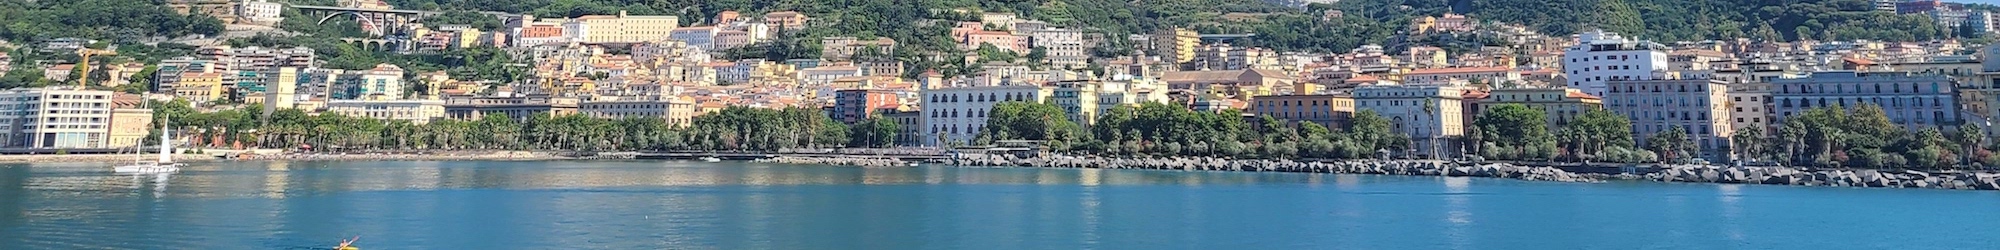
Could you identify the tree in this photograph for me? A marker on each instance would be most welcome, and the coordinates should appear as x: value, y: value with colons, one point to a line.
x: 1031, y: 121
x: 1513, y: 125
x: 1672, y: 144
x: 1748, y: 143
x: 876, y: 131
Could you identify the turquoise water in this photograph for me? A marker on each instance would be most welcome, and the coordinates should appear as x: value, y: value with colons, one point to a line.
x: 680, y: 205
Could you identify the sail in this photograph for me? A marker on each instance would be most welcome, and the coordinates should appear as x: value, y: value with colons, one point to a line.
x: 166, y: 147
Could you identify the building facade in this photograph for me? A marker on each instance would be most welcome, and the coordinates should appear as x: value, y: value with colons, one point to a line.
x: 1562, y: 105
x: 621, y: 28
x: 413, y: 111
x: 1914, y: 101
x: 1604, y: 56
x: 1431, y: 115
x: 51, y: 118
x: 1331, y: 111
x: 855, y: 105
x: 516, y: 108
x: 1700, y: 106
x: 384, y: 82
x: 955, y: 115
x: 675, y: 112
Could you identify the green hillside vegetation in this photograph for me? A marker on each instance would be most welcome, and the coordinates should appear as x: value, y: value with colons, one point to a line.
x: 1677, y: 20
x: 111, y: 20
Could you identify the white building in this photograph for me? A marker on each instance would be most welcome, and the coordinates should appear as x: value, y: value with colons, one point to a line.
x: 1604, y: 56
x: 413, y: 111
x: 1064, y: 47
x: 700, y: 37
x: 955, y: 115
x: 1431, y: 115
x: 46, y: 118
x: 260, y: 11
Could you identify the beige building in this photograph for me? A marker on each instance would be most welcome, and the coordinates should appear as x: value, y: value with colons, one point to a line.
x: 1176, y: 45
x: 473, y: 108
x: 130, y: 121
x: 414, y: 111
x: 1331, y: 111
x: 1431, y: 115
x: 1750, y: 107
x: 1234, y: 83
x: 842, y: 48
x: 674, y: 111
x: 1699, y: 105
x: 621, y: 28
x: 1562, y: 105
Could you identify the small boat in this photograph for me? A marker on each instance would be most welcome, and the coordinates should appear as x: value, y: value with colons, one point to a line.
x: 710, y: 159
x: 165, y: 164
x: 348, y: 244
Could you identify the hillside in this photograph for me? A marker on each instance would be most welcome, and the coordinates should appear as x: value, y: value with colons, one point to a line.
x: 1673, y: 20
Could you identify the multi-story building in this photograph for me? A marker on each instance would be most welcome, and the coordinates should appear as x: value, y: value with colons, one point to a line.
x: 843, y: 48
x: 1175, y: 45
x: 1225, y: 57
x: 55, y: 117
x: 700, y: 37
x: 955, y: 115
x: 413, y: 111
x: 1981, y: 93
x: 1233, y: 83
x: 788, y: 21
x: 1915, y: 101
x: 998, y: 39
x: 1750, y: 107
x: 855, y: 105
x: 260, y: 11
x: 517, y: 108
x: 227, y: 59
x: 1064, y: 47
x: 1698, y: 105
x: 1331, y: 111
x: 200, y: 87
x: 1431, y: 115
x: 1078, y: 99
x: 281, y: 89
x: 1604, y: 56
x: 6, y: 63
x: 1562, y: 105
x: 131, y: 121
x: 1489, y: 75
x: 532, y: 33
x: 730, y: 39
x: 821, y: 76
x: 675, y: 112
x: 907, y: 121
x: 384, y: 82
x: 1947, y: 15
x: 621, y: 28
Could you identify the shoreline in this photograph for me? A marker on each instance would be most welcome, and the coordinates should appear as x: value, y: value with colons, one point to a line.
x: 1954, y: 180
x: 1957, y: 180
x: 437, y: 156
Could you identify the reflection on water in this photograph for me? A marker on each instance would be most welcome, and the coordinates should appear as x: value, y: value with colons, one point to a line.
x: 683, y: 205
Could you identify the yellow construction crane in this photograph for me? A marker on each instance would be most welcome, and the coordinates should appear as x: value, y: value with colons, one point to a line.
x: 84, y: 67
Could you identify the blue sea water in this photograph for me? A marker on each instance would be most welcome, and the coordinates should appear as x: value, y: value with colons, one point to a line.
x: 686, y: 205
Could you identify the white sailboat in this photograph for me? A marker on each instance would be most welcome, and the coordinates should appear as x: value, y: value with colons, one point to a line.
x: 166, y: 162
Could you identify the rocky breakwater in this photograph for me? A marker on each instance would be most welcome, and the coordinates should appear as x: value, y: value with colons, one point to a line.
x: 1826, y: 177
x: 1426, y: 168
x: 838, y: 161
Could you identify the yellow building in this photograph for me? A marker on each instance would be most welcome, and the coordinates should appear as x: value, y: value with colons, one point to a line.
x: 621, y: 28
x: 200, y: 87
x: 1561, y: 104
x: 129, y: 122
x: 1177, y: 45
x: 1331, y: 111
